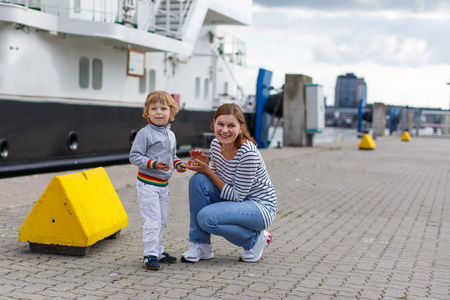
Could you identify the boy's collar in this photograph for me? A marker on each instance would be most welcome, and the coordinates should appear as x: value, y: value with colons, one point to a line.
x: 150, y: 123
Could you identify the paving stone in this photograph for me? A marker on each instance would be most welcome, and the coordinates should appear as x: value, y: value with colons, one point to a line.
x: 350, y: 224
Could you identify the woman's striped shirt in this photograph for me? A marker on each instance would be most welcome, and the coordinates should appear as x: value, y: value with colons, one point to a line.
x: 245, y: 178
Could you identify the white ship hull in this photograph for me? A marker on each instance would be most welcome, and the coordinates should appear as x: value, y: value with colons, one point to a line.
x: 71, y: 86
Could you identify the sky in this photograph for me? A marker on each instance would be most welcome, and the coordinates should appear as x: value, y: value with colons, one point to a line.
x: 400, y: 47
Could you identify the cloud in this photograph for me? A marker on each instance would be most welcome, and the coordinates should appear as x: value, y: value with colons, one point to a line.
x: 385, y: 49
x: 370, y: 36
x: 400, y: 47
x: 415, y: 6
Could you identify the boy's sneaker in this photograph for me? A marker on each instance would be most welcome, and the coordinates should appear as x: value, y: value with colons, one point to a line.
x: 166, y: 258
x: 255, y: 254
x: 151, y: 262
x: 197, y: 252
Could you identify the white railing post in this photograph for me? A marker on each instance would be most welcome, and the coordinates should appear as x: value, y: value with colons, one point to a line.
x: 168, y: 18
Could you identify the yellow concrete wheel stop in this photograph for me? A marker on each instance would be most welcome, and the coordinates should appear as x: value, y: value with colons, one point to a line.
x: 74, y: 212
x: 367, y: 142
x: 405, y: 136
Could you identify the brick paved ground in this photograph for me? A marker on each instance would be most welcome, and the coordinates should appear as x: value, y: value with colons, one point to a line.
x: 352, y: 224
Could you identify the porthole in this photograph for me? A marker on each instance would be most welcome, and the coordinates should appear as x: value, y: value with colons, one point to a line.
x: 132, y: 136
x: 72, y: 141
x: 4, y: 149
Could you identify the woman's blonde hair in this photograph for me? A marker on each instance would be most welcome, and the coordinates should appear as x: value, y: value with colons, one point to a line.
x: 162, y: 98
x: 236, y: 111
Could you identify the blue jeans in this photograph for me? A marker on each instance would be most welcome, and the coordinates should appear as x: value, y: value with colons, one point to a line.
x: 238, y: 222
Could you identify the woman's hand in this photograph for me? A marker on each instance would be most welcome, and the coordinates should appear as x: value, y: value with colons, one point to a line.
x: 199, y: 155
x: 202, y: 167
x: 198, y: 166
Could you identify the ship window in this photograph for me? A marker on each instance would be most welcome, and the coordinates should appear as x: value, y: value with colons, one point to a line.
x: 225, y: 88
x: 84, y: 72
x: 143, y: 83
x: 206, y: 89
x: 197, y: 87
x: 97, y: 73
x: 152, y: 80
x: 77, y: 6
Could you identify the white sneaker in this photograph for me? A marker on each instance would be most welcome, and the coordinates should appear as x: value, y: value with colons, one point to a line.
x: 197, y: 252
x: 255, y: 254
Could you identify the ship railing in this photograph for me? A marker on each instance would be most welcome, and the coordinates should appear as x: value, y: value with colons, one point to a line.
x: 101, y: 11
x: 232, y: 48
x: 164, y: 17
x: 240, y: 91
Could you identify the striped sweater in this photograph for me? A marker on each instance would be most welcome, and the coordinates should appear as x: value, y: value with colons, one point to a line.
x: 246, y: 178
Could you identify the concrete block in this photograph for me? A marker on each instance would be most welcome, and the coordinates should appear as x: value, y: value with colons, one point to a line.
x: 76, y: 210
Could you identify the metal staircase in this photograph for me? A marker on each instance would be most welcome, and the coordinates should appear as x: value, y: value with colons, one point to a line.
x: 171, y: 17
x: 163, y: 17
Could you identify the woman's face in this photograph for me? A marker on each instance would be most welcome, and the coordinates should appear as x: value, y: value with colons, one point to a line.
x: 227, y: 129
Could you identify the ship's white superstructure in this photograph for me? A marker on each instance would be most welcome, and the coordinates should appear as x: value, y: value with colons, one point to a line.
x: 70, y: 60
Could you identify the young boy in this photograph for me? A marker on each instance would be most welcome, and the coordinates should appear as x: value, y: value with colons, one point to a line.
x: 154, y: 152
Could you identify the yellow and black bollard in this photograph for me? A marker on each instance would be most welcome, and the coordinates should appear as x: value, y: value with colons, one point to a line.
x: 367, y: 142
x: 405, y: 136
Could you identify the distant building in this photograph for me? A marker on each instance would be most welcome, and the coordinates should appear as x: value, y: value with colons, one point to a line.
x: 349, y: 91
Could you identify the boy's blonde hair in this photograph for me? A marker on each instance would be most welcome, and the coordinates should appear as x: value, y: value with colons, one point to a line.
x: 162, y: 98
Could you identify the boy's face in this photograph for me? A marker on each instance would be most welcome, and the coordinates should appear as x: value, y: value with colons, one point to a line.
x: 159, y: 114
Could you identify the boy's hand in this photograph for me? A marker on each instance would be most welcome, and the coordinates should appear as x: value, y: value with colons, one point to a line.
x: 162, y: 166
x: 181, y: 168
